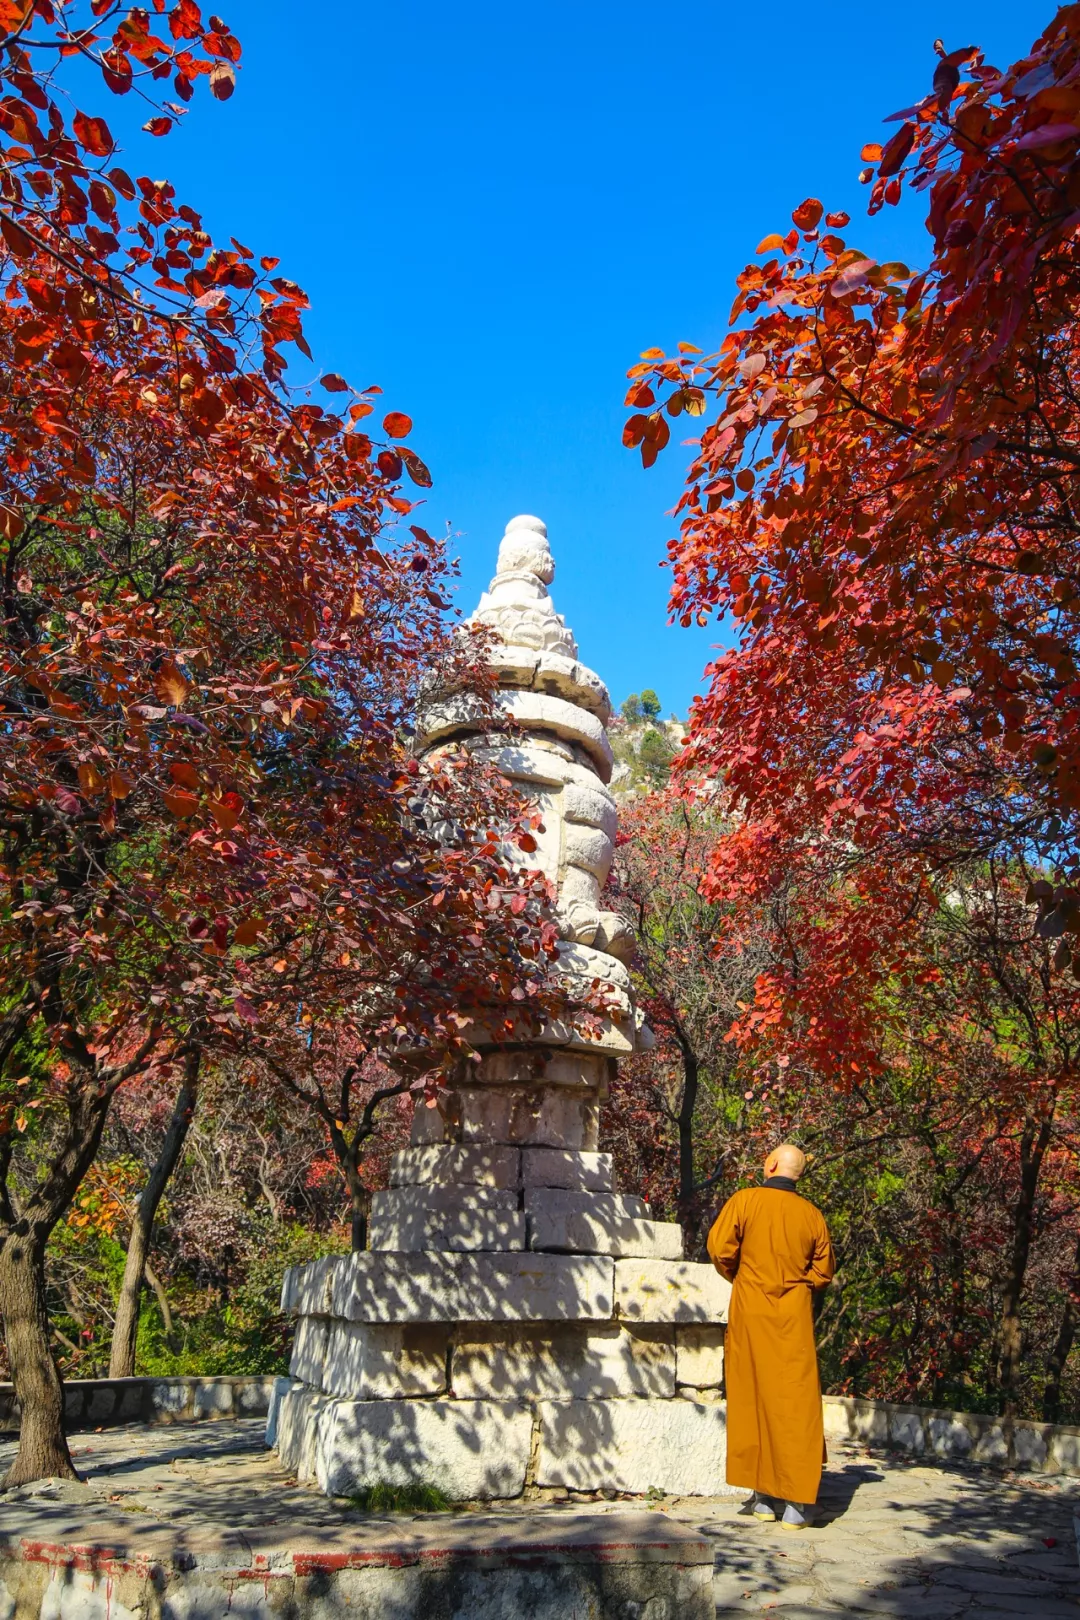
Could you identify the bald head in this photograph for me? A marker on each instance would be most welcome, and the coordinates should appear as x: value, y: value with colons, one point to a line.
x: 786, y: 1160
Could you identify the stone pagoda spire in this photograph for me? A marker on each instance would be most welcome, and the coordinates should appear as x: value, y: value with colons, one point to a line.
x: 515, y: 1321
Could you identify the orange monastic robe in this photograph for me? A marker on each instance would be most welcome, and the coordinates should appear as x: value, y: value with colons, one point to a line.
x: 774, y: 1246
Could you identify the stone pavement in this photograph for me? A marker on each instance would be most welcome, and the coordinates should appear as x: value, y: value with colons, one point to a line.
x: 895, y: 1537
x: 899, y: 1538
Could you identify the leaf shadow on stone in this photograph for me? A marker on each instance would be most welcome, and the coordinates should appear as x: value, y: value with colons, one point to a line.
x: 971, y: 1544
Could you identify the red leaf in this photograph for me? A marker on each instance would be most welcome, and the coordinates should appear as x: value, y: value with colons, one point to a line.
x: 892, y: 157
x: 93, y: 135
x: 389, y: 464
x: 334, y: 384
x: 808, y: 213
x: 416, y: 469
x: 397, y: 424
x: 158, y: 126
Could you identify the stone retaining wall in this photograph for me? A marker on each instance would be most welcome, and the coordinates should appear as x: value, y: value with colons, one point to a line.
x: 92, y: 1403
x: 967, y: 1437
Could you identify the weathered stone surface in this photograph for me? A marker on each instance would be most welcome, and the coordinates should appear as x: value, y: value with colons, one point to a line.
x: 589, y: 847
x: 603, y: 1231
x: 593, y: 806
x: 670, y: 1291
x: 537, y: 711
x: 468, y: 1449
x: 699, y: 1357
x: 433, y: 1287
x: 549, y: 1116
x: 309, y: 1350
x: 306, y: 1289
x: 581, y: 1172
x: 297, y: 1421
x: 457, y: 1229
x: 397, y: 1203
x: 563, y: 1362
x: 280, y: 1390
x: 609, y: 1205
x: 452, y: 1165
x: 577, y: 1072
x: 675, y: 1446
x: 365, y: 1362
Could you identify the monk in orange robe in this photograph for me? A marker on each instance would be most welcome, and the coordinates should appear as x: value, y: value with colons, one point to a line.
x: 774, y: 1246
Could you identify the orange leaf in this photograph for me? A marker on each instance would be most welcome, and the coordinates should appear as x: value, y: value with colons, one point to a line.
x: 770, y: 244
x: 871, y: 152
x: 181, y: 803
x: 397, y: 424
x: 120, y: 784
x: 170, y: 686
x: 248, y: 931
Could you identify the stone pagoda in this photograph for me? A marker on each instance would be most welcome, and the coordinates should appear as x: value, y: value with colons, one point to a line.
x: 515, y: 1322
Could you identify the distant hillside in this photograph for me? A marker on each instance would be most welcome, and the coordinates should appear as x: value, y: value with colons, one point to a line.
x: 644, y: 745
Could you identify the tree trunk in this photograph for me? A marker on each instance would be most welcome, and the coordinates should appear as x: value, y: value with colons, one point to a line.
x: 126, y: 1328
x: 1033, y: 1145
x: 688, y: 1199
x: 43, y: 1450
x: 1059, y: 1355
x: 358, y: 1206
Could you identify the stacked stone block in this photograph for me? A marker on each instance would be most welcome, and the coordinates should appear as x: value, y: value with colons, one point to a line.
x: 502, y: 1333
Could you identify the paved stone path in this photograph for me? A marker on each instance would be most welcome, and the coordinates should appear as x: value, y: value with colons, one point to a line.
x: 898, y: 1538
x: 895, y: 1538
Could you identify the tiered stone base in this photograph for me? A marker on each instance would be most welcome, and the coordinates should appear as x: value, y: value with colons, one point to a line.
x: 517, y: 1324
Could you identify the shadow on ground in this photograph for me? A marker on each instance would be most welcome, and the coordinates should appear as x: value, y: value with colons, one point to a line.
x: 904, y: 1539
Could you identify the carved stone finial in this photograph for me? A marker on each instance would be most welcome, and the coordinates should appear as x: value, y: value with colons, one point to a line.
x: 524, y: 549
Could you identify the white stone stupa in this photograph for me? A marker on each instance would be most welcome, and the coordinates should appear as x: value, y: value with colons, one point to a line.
x: 516, y: 1323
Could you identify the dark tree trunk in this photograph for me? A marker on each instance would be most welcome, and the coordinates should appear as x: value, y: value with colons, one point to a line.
x: 126, y: 1328
x: 43, y: 1449
x: 1033, y: 1145
x: 1059, y: 1355
x: 689, y: 1212
x: 357, y: 1205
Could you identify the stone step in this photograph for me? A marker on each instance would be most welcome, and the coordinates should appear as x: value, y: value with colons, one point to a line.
x: 398, y: 1202
x: 450, y: 1165
x: 563, y: 1361
x: 451, y: 1229
x: 595, y: 1232
x: 481, y: 1448
x: 461, y: 1287
x: 670, y: 1291
x: 573, y: 1171
x: 608, y: 1205
x: 598, y: 1223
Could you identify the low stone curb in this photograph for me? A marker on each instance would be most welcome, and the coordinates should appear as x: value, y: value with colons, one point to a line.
x: 968, y: 1437
x: 58, y: 1560
x: 92, y: 1403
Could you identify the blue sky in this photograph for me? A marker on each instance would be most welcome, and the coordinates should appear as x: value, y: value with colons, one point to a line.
x: 496, y: 206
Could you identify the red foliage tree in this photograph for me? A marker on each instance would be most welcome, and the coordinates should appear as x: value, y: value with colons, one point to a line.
x: 885, y: 499
x: 208, y: 812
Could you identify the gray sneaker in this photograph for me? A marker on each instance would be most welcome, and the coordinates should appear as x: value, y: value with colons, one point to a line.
x: 794, y: 1517
x: 764, y: 1510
